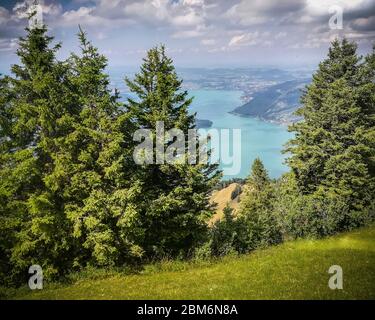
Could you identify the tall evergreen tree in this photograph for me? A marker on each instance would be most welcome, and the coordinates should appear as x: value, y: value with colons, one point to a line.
x: 33, y: 102
x: 66, y: 195
x: 329, y: 151
x: 96, y: 159
x: 8, y: 220
x: 367, y: 101
x: 175, y: 196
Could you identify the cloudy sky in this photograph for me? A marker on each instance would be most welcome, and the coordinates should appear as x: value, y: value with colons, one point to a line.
x: 198, y: 32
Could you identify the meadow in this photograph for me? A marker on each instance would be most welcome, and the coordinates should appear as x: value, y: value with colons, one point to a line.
x: 292, y: 270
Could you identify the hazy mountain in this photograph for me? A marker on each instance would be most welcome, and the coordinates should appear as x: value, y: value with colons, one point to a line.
x: 276, y: 103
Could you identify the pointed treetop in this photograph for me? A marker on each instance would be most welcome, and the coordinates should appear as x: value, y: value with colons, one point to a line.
x: 258, y: 178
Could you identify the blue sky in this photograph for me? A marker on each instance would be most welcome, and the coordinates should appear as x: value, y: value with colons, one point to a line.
x: 199, y: 33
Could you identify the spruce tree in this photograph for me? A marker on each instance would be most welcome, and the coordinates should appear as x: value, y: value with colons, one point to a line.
x: 34, y: 102
x: 258, y: 178
x: 100, y: 198
x: 175, y: 196
x: 329, y: 152
x: 8, y: 219
x: 257, y: 208
x: 366, y: 97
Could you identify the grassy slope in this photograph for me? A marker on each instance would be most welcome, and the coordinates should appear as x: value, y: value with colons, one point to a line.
x: 294, y: 270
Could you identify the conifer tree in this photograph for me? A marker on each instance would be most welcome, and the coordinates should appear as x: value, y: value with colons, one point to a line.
x: 257, y: 208
x: 66, y: 194
x: 96, y: 157
x: 175, y: 196
x: 8, y: 220
x: 329, y: 152
x: 34, y: 100
x: 366, y: 97
x: 258, y: 178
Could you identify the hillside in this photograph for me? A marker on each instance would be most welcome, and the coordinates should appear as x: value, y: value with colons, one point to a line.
x: 276, y: 103
x: 293, y: 270
x: 229, y: 195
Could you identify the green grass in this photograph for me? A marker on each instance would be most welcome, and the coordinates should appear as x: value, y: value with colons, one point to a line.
x: 293, y: 270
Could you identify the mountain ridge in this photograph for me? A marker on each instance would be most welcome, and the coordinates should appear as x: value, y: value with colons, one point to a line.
x: 276, y: 103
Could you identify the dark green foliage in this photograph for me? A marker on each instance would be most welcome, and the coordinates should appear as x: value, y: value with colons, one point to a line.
x: 254, y: 226
x: 333, y: 149
x: 228, y: 235
x: 258, y: 178
x: 321, y: 213
x: 95, y: 167
x: 236, y: 192
x: 174, y: 202
x: 257, y: 208
x: 330, y: 147
x: 71, y: 194
x: 225, y: 183
x: 35, y: 102
x: 366, y: 95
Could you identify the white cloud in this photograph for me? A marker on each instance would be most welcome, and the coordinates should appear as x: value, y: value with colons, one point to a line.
x: 320, y: 7
x: 212, y: 26
x: 313, y: 41
x: 189, y: 19
x: 84, y: 16
x: 248, y: 13
x: 364, y: 24
x: 184, y: 34
x: 156, y: 9
x: 208, y: 42
x: 245, y: 39
x: 22, y: 8
x: 280, y: 35
x: 236, y: 15
x: 4, y: 15
x: 101, y: 35
x: 198, y: 3
x: 8, y: 44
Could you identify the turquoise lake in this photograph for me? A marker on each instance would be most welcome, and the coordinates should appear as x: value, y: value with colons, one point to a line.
x: 258, y: 138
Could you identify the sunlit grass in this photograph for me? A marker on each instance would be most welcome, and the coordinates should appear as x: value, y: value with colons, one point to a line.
x: 293, y: 270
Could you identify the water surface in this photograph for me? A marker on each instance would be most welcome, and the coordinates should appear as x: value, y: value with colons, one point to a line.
x: 259, y: 138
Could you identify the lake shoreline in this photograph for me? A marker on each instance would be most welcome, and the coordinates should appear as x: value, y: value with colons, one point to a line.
x: 282, y: 123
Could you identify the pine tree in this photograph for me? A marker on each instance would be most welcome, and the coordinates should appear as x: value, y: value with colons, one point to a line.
x: 367, y: 101
x: 258, y: 178
x: 175, y: 196
x: 33, y: 103
x: 257, y: 208
x: 329, y: 152
x: 96, y: 158
x: 8, y: 219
